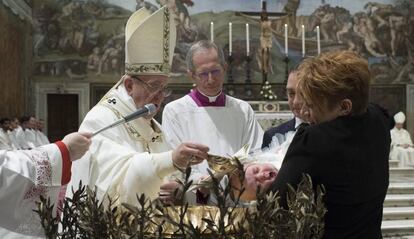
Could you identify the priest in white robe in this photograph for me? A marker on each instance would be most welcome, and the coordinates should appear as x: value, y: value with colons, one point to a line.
x: 134, y: 158
x: 402, y: 148
x: 5, y: 142
x: 207, y: 115
x: 40, y: 136
x: 21, y: 137
x: 27, y: 174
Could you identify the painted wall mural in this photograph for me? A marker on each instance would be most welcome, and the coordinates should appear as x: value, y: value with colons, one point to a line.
x: 84, y: 39
x: 78, y: 40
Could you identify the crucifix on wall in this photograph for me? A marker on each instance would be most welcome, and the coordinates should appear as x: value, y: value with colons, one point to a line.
x: 263, y: 56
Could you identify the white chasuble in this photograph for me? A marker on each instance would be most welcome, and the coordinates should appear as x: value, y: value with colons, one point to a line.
x: 126, y: 160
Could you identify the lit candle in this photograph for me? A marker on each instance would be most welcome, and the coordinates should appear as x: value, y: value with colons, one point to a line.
x: 230, y: 46
x: 286, y: 39
x: 303, y: 40
x: 318, y: 39
x: 247, y: 40
x: 212, y: 31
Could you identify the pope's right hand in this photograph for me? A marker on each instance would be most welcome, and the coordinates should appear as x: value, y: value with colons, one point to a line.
x: 77, y: 144
x: 187, y: 154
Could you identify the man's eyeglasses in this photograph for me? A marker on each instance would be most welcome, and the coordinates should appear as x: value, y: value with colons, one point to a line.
x: 204, y: 75
x: 153, y: 89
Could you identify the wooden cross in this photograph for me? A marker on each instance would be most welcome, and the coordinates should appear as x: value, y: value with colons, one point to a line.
x: 265, y: 17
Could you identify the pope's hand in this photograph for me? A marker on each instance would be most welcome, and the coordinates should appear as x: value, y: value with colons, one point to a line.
x: 187, y: 154
x: 166, y: 194
x: 77, y: 144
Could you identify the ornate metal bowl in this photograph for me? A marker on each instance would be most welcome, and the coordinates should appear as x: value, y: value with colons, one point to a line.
x: 199, y: 215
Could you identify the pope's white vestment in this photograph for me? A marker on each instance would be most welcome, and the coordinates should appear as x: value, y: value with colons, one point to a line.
x: 126, y: 160
x: 405, y: 156
x: 24, y: 176
x: 224, y: 129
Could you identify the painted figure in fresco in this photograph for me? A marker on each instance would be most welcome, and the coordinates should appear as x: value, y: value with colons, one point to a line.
x: 326, y: 29
x: 397, y: 25
x: 111, y: 59
x: 72, y: 39
x: 180, y: 10
x: 92, y: 34
x: 94, y: 59
x: 364, y: 27
x: 93, y: 8
x: 406, y: 73
x: 291, y: 8
x: 70, y: 10
x: 379, y: 12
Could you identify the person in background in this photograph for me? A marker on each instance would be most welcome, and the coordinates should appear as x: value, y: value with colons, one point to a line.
x: 295, y: 107
x: 27, y: 174
x: 41, y: 138
x: 5, y: 141
x: 402, y: 148
x: 348, y: 140
x: 14, y: 125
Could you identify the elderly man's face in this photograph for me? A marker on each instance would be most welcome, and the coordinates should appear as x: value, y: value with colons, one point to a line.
x: 255, y: 175
x: 208, y: 73
x: 147, y: 89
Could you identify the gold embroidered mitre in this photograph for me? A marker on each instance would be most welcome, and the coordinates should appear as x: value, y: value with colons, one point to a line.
x: 149, y: 42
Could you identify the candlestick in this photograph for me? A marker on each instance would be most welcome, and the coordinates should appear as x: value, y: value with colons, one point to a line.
x: 303, y: 40
x: 230, y: 40
x: 212, y: 31
x: 318, y: 40
x: 247, y: 40
x: 286, y: 39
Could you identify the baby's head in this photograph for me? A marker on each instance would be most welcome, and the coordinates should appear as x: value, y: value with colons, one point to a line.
x: 255, y: 175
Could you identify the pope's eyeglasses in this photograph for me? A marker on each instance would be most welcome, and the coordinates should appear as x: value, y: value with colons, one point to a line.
x: 154, y: 89
x: 204, y: 75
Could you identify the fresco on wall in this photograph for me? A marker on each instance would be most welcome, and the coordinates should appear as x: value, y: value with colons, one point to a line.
x: 78, y: 39
x: 83, y: 39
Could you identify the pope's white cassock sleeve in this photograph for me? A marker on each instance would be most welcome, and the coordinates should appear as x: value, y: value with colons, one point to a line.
x: 126, y: 160
x: 225, y: 130
x: 24, y: 176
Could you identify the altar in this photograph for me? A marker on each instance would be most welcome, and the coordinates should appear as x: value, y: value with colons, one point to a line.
x: 271, y: 113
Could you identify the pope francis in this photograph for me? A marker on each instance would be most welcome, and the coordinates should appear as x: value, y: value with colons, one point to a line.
x: 134, y: 158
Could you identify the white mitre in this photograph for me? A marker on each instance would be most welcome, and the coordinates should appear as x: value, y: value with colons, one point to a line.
x: 149, y: 42
x: 399, y: 118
